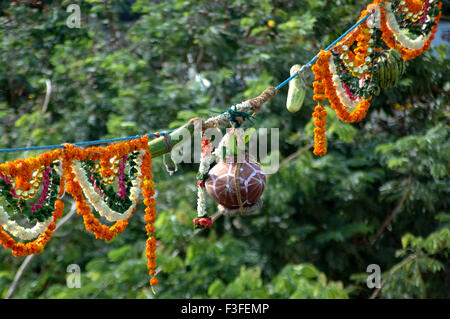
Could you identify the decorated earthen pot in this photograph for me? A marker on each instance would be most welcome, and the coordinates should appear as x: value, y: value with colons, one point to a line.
x: 221, y: 186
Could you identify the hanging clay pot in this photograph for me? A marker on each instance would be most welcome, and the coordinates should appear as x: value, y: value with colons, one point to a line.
x: 221, y: 185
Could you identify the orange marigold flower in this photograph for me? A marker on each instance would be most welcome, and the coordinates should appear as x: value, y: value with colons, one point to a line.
x: 154, y: 281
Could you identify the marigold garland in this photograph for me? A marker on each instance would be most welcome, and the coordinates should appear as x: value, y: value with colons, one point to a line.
x: 73, y: 187
x: 36, y: 246
x: 322, y: 73
x: 389, y: 38
x: 97, y: 199
x: 414, y: 6
x: 26, y: 173
x: 319, y: 112
x: 325, y: 88
x: 148, y: 191
x: 354, y: 51
x: 320, y: 139
x: 356, y: 59
x: 21, y: 172
x: 41, y: 212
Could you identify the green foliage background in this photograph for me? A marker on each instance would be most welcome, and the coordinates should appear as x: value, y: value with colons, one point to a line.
x: 142, y: 66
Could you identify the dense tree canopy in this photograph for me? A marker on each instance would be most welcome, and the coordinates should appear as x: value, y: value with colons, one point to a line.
x: 142, y: 66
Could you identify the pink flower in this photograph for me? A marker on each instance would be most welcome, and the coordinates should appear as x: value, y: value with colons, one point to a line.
x: 200, y: 183
x: 34, y: 207
x: 425, y: 12
x: 205, y: 221
x: 122, y: 189
x: 347, y: 90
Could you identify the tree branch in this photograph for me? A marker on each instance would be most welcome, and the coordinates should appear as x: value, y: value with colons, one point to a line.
x: 394, y: 212
x: 394, y: 269
x: 294, y: 155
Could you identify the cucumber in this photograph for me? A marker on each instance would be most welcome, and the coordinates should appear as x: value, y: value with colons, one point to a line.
x: 297, y: 91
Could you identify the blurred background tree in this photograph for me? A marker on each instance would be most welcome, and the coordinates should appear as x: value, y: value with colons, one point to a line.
x: 380, y: 195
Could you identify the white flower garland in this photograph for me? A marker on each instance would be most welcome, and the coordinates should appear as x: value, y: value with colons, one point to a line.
x: 399, y: 36
x: 19, y: 231
x: 97, y: 201
x: 343, y: 97
x: 201, y: 202
x: 205, y: 164
x: 4, y: 217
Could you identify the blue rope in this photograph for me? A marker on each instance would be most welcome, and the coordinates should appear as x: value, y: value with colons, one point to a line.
x: 310, y: 63
x: 48, y: 147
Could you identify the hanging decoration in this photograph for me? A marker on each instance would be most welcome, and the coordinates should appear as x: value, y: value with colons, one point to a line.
x: 207, y: 158
x: 87, y: 175
x: 91, y: 171
x: 370, y: 58
x: 409, y: 25
x: 77, y: 163
x: 20, y: 182
x: 236, y: 182
x: 236, y: 185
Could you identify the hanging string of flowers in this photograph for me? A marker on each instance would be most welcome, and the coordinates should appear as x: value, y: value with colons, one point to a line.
x: 78, y: 182
x: 400, y: 18
x: 148, y: 192
x: 87, y: 175
x: 20, y: 181
x: 206, y: 159
x: 320, y: 121
x: 371, y: 58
